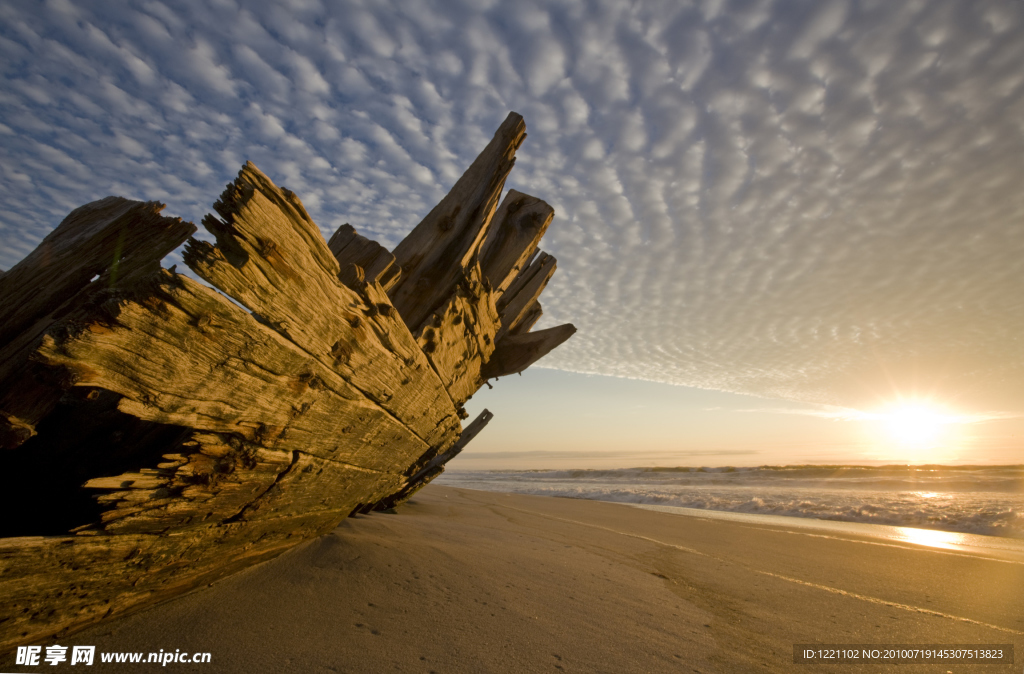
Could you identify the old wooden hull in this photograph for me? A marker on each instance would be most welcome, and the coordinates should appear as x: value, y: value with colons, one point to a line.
x: 163, y: 433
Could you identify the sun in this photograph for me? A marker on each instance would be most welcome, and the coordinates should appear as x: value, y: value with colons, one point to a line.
x: 914, y: 425
x: 915, y: 430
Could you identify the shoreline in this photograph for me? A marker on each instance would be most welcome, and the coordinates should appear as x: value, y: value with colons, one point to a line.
x: 1003, y: 547
x: 986, y: 502
x: 1011, y: 548
x: 463, y: 581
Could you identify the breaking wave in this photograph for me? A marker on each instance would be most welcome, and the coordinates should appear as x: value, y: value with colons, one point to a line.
x: 985, y: 500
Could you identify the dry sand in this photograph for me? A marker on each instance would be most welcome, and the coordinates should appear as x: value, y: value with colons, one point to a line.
x: 470, y: 581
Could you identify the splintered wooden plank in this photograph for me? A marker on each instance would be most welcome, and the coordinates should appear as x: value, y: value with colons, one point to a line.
x: 515, y: 353
x: 529, y: 319
x: 315, y: 485
x: 377, y: 264
x: 434, y: 466
x: 513, y: 237
x: 460, y: 338
x: 99, y: 245
x: 470, y: 432
x: 271, y: 258
x: 112, y: 235
x: 214, y: 478
x: 434, y: 256
x: 515, y: 304
x: 181, y: 354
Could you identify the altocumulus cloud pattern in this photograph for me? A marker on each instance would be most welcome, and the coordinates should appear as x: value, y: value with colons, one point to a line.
x: 815, y: 200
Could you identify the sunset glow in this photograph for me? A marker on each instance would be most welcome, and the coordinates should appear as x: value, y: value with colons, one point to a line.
x: 915, y: 425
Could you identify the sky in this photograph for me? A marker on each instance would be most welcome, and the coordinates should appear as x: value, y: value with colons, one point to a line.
x: 774, y: 220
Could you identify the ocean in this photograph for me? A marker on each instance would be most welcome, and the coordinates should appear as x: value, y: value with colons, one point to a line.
x: 986, y: 500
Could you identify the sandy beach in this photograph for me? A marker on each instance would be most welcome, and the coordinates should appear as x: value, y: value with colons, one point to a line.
x: 471, y: 581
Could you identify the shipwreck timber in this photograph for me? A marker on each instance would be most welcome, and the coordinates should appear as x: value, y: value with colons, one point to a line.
x: 159, y: 435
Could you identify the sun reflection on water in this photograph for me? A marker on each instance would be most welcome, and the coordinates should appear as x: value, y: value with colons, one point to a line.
x: 933, y: 539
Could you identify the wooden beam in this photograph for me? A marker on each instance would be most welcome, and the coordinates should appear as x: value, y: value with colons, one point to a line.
x: 470, y: 432
x: 271, y: 258
x: 460, y: 337
x: 515, y: 353
x: 116, y: 575
x: 434, y: 466
x: 529, y: 319
x: 113, y: 236
x: 377, y: 264
x: 518, y: 226
x: 97, y: 248
x: 439, y: 250
x: 524, y: 291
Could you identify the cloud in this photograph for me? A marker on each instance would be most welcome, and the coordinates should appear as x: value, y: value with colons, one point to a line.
x: 816, y: 201
x: 846, y: 414
x: 628, y: 455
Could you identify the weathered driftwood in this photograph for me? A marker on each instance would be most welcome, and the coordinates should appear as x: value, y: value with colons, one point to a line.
x: 520, y: 223
x: 107, y: 242
x: 522, y: 294
x: 363, y: 260
x: 434, y: 467
x: 159, y: 435
x: 435, y: 256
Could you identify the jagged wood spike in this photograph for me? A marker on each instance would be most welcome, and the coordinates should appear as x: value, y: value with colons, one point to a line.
x: 114, y: 235
x: 529, y: 319
x: 459, y: 330
x: 97, y: 247
x: 434, y: 466
x: 284, y: 272
x: 515, y: 353
x: 436, y: 254
x: 524, y: 291
x: 512, y: 240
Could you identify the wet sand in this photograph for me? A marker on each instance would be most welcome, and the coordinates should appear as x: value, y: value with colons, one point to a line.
x: 470, y: 581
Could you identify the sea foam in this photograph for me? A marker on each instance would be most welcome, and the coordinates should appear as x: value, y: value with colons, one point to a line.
x: 985, y: 500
